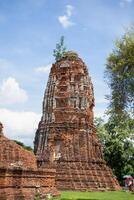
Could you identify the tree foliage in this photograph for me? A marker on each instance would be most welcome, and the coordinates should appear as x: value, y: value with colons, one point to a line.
x: 117, y: 137
x: 60, y: 49
x: 117, y: 134
x: 23, y: 145
x: 120, y: 74
x: 119, y: 151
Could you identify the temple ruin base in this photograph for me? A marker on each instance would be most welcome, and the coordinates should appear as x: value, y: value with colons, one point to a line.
x: 83, y: 176
x: 18, y: 184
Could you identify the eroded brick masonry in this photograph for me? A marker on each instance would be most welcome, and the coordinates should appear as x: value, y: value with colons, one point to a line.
x: 66, y: 136
x: 20, y: 179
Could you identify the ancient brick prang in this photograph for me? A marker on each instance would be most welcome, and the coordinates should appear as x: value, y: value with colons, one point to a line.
x: 66, y: 137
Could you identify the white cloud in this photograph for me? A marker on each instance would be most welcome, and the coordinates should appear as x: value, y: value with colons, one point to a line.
x: 11, y: 92
x: 125, y: 2
x: 43, y: 69
x: 65, y: 19
x: 65, y: 22
x: 19, y: 124
x: 69, y: 10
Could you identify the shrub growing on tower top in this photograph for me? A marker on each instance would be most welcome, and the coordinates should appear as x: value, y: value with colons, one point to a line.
x: 60, y: 50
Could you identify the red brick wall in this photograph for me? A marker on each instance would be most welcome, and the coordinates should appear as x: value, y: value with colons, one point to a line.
x: 24, y: 184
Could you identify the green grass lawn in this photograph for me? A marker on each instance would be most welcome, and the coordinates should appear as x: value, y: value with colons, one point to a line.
x: 120, y: 195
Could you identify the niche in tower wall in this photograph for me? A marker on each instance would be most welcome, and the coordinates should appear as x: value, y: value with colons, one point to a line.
x: 57, y: 150
x: 61, y: 102
x: 73, y: 102
x: 77, y: 78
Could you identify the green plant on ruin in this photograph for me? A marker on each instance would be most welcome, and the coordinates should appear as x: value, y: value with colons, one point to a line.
x: 60, y: 50
x: 37, y: 196
x: 70, y: 55
x: 23, y: 145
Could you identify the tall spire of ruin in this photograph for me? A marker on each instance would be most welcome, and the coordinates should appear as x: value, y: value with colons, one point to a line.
x: 66, y: 136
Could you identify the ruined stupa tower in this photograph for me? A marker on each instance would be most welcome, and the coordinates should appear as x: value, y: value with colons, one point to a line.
x: 66, y: 137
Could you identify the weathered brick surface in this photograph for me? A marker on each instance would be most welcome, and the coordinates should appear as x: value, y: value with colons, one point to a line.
x: 12, y: 155
x: 19, y: 177
x: 66, y: 137
x: 16, y: 184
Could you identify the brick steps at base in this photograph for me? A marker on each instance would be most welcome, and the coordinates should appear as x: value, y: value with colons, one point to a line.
x: 83, y: 177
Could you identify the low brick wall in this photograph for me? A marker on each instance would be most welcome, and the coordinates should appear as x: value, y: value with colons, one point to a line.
x: 19, y: 184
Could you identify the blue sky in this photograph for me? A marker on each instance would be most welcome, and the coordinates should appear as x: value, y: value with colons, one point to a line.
x: 29, y: 31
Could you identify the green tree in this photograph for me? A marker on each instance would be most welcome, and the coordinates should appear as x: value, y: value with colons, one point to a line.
x: 117, y: 137
x: 23, y: 145
x: 119, y: 130
x: 60, y: 50
x: 101, y: 130
x: 119, y: 149
x: 120, y: 74
x: 117, y: 134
